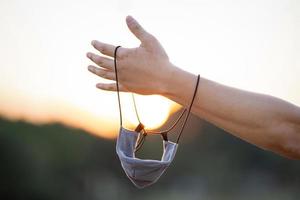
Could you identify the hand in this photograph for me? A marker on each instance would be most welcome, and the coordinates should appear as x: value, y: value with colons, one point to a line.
x: 143, y: 70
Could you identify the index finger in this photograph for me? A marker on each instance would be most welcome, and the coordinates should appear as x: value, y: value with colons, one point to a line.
x: 106, y: 49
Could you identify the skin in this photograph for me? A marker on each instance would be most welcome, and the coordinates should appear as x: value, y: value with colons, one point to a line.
x: 265, y: 121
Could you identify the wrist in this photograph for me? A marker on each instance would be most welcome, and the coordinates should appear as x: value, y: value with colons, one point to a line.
x: 166, y: 79
x: 178, y: 85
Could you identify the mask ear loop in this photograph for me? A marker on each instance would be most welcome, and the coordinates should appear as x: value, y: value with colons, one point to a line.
x: 140, y: 127
x: 117, y: 82
x: 189, y: 110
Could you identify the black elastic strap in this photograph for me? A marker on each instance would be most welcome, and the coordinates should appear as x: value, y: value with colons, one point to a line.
x: 117, y: 82
x: 189, y: 110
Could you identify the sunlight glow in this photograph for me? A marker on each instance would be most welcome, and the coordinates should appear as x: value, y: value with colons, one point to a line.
x: 252, y: 45
x: 152, y: 110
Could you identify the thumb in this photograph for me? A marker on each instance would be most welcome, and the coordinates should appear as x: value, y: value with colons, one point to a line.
x: 137, y: 29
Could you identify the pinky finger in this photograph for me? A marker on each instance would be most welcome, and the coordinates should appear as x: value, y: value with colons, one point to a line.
x: 111, y: 87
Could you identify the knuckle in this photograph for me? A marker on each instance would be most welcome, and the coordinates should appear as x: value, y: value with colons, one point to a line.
x: 98, y: 60
x: 136, y: 26
x: 104, y: 50
x: 104, y: 62
x: 97, y: 71
x: 111, y: 87
x: 98, y: 46
x: 102, y: 73
x: 151, y: 38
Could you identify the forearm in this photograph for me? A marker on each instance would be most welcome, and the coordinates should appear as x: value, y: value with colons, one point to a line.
x: 265, y: 121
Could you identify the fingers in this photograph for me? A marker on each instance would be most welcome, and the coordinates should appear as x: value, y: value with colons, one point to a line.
x: 101, y: 61
x: 106, y: 49
x: 107, y: 74
x: 111, y: 87
x: 137, y: 29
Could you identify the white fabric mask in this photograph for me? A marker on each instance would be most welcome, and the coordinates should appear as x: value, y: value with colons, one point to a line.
x: 145, y: 172
x: 141, y: 172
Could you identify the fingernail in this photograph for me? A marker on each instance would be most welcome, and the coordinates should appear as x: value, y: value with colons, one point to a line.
x: 93, y: 42
x: 89, y: 55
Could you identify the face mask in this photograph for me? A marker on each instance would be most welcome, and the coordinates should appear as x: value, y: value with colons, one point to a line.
x: 145, y: 172
x: 142, y: 173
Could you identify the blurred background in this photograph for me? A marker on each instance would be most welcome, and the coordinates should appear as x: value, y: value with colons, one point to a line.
x: 57, y: 131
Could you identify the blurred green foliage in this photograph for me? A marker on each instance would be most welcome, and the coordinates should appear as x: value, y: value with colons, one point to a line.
x: 56, y: 162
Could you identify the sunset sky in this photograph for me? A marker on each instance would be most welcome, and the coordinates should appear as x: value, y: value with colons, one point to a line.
x: 252, y: 45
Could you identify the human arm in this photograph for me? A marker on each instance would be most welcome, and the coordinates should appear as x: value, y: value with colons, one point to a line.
x: 262, y: 120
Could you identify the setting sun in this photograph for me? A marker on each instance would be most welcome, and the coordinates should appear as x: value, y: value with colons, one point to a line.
x: 152, y: 110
